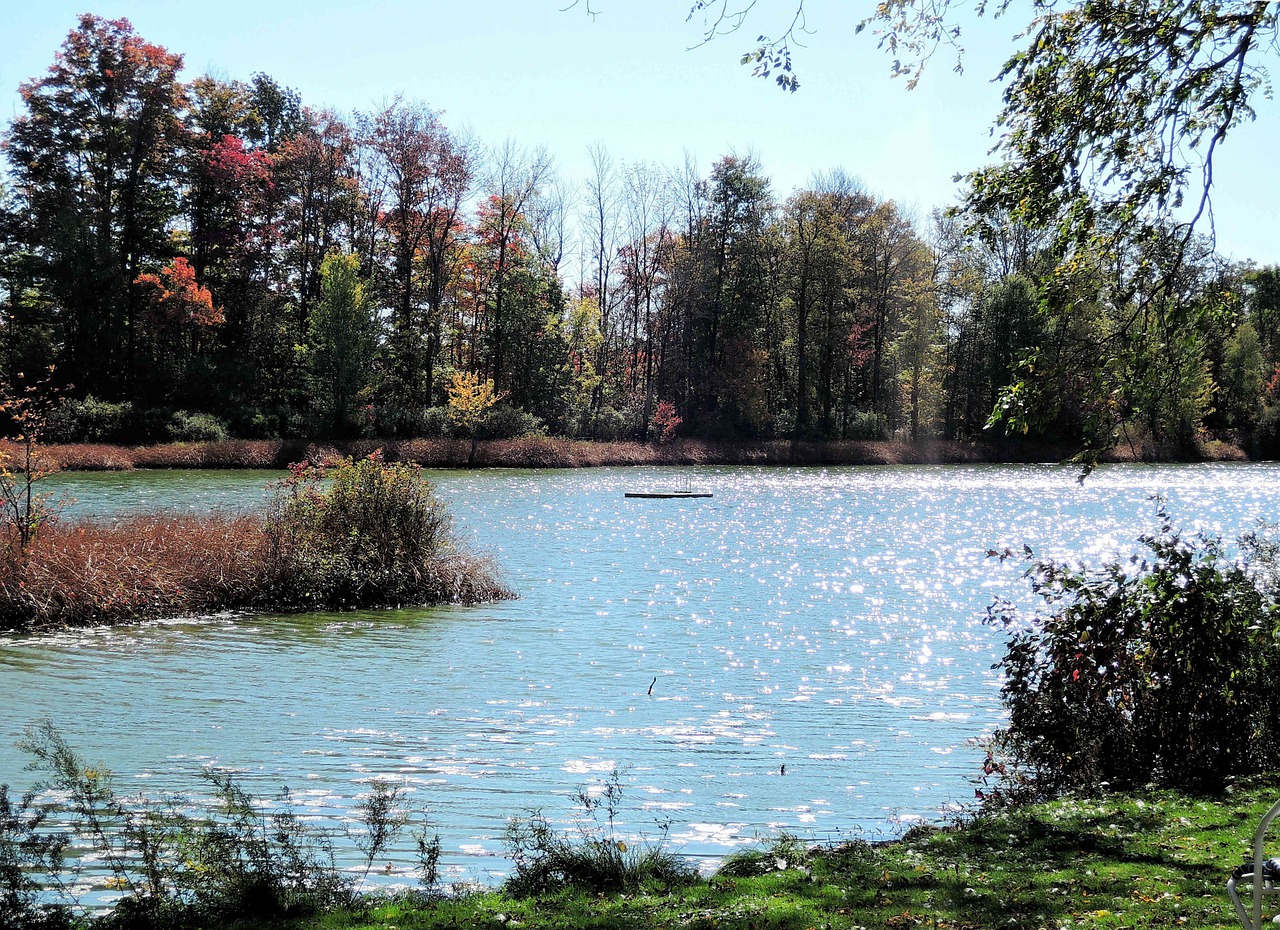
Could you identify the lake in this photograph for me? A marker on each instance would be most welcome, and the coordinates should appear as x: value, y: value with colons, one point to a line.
x: 805, y: 651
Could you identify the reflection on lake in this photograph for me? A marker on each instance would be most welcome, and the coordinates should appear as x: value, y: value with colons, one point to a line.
x: 828, y: 621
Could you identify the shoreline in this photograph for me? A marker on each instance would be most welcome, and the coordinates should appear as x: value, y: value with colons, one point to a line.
x: 545, y: 452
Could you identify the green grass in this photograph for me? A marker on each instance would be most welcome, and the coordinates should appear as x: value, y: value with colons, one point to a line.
x: 1151, y: 860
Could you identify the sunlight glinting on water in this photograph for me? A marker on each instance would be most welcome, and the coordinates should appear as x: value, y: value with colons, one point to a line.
x: 804, y: 651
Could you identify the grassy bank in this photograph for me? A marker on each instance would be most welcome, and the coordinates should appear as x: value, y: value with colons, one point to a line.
x: 544, y: 452
x: 1150, y: 861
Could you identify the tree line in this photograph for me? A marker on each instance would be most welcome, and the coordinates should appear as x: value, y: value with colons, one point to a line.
x: 213, y: 257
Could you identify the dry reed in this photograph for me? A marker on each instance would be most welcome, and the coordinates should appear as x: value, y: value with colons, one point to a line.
x: 549, y: 452
x: 98, y: 572
x: 155, y: 566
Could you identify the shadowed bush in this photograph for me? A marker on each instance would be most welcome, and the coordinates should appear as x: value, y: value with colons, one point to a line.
x: 1160, y: 671
x: 90, y: 420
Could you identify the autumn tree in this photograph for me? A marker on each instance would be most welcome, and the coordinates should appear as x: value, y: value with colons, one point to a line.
x: 645, y: 260
x: 422, y: 175
x: 319, y: 191
x: 97, y: 158
x: 470, y: 400
x: 237, y: 206
x: 513, y: 180
x: 181, y: 318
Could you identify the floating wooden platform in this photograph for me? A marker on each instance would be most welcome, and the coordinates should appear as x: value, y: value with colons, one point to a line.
x: 666, y: 495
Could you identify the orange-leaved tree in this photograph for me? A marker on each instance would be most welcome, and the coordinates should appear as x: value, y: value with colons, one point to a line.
x: 665, y: 421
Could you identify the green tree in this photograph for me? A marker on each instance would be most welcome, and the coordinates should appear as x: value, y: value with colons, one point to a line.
x: 724, y: 300
x: 816, y: 247
x: 27, y: 338
x: 919, y: 350
x: 342, y: 342
x: 994, y: 331
x: 1264, y: 309
x: 893, y: 262
x: 1242, y: 380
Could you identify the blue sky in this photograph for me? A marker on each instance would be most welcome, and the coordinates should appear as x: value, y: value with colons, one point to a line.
x: 628, y: 78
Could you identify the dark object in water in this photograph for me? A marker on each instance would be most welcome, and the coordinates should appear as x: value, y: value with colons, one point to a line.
x: 664, y: 495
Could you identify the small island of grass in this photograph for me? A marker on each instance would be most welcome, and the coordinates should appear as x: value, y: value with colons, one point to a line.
x: 340, y: 535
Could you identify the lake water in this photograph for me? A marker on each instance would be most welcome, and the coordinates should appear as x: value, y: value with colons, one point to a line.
x: 828, y: 621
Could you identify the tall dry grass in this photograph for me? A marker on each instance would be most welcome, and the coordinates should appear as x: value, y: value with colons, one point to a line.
x: 158, y: 566
x: 549, y: 452
x: 141, y: 567
x: 526, y: 452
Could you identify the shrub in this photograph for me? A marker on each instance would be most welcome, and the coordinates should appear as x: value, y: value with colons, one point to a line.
x: 591, y: 858
x: 506, y: 422
x: 785, y: 851
x: 1265, y: 442
x: 867, y: 426
x: 196, y: 427
x: 435, y: 423
x: 90, y: 420
x: 410, y: 422
x: 269, y: 423
x: 1162, y: 670
x: 28, y: 847
x: 366, y: 533
x: 356, y: 534
x: 605, y: 425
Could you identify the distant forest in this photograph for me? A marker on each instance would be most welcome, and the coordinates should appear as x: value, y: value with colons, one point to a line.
x: 217, y: 258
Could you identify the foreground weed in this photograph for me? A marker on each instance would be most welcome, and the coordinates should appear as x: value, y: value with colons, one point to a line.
x: 229, y: 856
x: 592, y: 856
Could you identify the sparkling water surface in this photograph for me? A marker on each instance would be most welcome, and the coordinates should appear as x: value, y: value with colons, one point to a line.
x: 803, y: 651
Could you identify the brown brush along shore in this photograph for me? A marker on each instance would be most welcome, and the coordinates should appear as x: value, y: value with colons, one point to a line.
x: 545, y: 452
